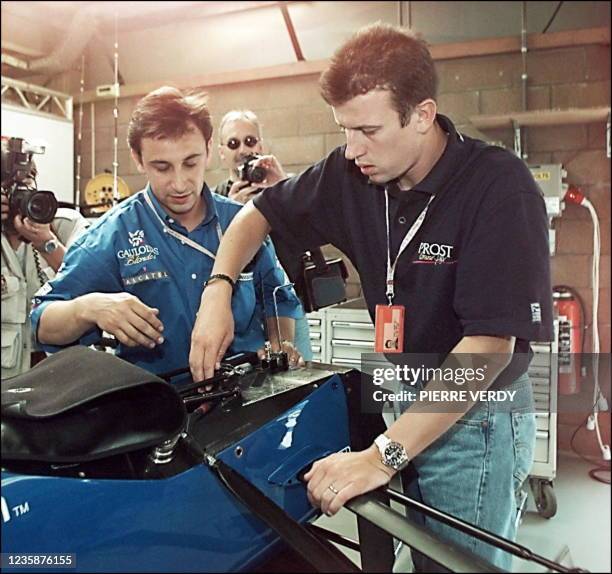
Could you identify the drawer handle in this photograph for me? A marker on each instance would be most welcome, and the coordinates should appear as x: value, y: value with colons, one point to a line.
x: 358, y: 344
x: 367, y: 326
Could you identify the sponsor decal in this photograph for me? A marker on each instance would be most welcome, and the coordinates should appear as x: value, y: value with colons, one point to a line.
x: 140, y: 252
x: 435, y: 253
x: 127, y: 281
x: 13, y: 512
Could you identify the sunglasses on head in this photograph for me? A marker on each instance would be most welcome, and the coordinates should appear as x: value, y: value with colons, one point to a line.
x: 249, y: 141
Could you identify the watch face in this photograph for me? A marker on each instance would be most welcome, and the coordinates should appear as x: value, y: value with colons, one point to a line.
x: 50, y: 246
x: 395, y: 455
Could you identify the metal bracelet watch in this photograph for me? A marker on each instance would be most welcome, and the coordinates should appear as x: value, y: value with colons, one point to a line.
x: 392, y: 454
x: 50, y: 245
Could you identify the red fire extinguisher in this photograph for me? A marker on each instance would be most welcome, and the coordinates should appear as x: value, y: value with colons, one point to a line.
x: 570, y: 313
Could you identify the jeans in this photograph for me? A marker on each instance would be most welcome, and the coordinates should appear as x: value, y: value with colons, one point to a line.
x: 475, y: 471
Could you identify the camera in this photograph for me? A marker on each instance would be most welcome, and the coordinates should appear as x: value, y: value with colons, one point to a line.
x: 18, y: 173
x: 249, y: 173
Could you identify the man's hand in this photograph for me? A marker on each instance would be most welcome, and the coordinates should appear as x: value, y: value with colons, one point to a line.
x: 35, y: 233
x: 242, y: 191
x: 274, y: 170
x: 126, y: 317
x: 212, y: 332
x: 339, y: 477
x: 294, y: 357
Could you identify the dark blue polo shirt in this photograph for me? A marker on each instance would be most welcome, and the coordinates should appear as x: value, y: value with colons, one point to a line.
x: 479, y: 265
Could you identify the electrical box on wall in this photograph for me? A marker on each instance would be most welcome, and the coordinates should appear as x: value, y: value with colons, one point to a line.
x: 549, y: 178
x: 107, y: 91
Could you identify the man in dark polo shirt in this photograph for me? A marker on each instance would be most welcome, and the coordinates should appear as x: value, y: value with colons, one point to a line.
x: 452, y: 233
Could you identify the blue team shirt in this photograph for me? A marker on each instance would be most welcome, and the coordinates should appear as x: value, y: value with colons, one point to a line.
x: 127, y: 250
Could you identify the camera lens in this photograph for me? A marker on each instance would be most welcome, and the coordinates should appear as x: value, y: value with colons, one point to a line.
x: 249, y: 173
x: 40, y: 206
x: 257, y: 174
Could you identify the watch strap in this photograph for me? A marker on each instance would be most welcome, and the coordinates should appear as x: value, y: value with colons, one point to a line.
x: 219, y: 277
x: 381, y: 441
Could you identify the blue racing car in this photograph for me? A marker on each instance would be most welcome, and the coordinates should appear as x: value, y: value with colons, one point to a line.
x: 108, y: 468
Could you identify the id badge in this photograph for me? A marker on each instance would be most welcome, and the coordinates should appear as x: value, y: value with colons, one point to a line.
x: 389, y: 329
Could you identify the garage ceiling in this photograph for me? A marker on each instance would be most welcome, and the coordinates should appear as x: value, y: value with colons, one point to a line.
x: 33, y: 30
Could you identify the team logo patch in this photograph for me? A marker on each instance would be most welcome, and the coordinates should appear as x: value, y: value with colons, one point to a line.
x: 435, y: 253
x: 136, y: 238
x: 140, y: 252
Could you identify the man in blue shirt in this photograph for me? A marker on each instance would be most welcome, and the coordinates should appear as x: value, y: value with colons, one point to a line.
x: 139, y: 273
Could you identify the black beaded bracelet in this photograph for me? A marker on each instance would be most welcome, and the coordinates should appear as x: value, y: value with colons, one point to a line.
x: 219, y: 276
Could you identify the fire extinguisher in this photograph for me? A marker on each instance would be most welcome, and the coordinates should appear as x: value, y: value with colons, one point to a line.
x: 570, y: 312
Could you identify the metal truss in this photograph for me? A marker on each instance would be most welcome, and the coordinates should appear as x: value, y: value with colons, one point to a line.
x: 36, y: 98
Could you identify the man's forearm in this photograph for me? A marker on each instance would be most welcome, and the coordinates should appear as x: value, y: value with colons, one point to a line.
x: 241, y: 241
x: 423, y: 423
x: 63, y: 322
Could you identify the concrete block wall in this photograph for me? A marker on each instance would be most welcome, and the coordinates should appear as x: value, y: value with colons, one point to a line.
x: 298, y: 127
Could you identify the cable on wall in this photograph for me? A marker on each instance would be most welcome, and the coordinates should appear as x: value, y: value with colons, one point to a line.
x: 116, y: 116
x: 552, y: 18
x: 76, y: 199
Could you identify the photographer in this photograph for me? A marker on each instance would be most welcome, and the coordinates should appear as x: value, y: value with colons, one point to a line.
x: 240, y: 144
x: 240, y: 141
x: 31, y: 255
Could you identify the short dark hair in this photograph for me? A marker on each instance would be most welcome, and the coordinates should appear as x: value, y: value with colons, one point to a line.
x: 167, y: 113
x: 381, y: 56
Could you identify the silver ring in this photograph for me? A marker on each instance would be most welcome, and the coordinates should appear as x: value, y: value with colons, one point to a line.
x: 332, y: 488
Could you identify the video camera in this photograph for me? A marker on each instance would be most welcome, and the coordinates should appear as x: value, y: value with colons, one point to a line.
x: 18, y: 173
x: 249, y: 173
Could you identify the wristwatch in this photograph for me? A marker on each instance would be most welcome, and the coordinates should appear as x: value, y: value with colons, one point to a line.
x: 50, y: 245
x: 392, y: 454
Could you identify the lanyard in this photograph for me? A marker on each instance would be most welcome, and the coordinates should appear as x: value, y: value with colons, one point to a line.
x: 407, y: 239
x: 182, y: 238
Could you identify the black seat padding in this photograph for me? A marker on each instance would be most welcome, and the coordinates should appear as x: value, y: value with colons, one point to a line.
x: 80, y: 405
